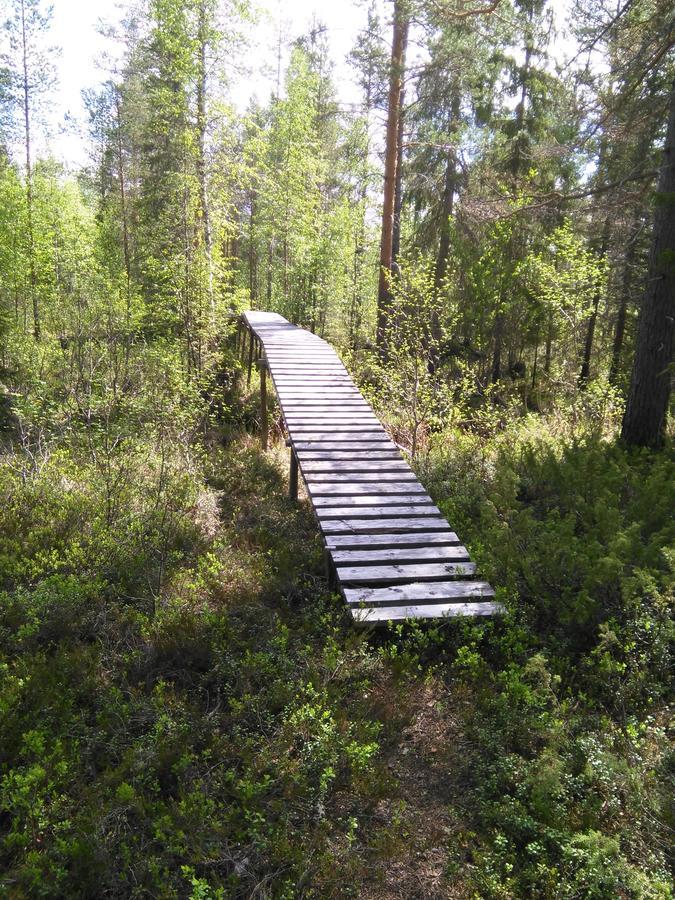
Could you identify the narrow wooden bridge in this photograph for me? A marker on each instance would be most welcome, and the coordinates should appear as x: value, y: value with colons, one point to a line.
x: 392, y: 552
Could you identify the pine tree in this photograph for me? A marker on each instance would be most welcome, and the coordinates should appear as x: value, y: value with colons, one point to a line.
x: 400, y: 25
x: 644, y: 422
x: 29, y: 78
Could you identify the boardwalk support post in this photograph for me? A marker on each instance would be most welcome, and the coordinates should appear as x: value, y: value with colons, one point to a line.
x: 264, y: 430
x: 250, y: 358
x: 293, y: 478
x: 242, y: 346
x: 329, y: 570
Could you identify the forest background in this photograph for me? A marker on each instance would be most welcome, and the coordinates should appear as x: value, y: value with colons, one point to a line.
x: 487, y: 236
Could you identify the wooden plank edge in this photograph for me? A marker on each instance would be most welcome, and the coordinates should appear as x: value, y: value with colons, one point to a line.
x: 382, y: 615
x: 416, y: 592
x: 392, y: 575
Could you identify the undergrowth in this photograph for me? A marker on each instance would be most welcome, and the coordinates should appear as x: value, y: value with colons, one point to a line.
x: 186, y: 711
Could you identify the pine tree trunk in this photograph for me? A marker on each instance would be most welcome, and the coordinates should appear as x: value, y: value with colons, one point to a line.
x: 518, y: 159
x: 620, y: 329
x: 398, y: 191
x: 398, y: 195
x: 585, y: 371
x: 270, y: 274
x: 549, y: 345
x: 496, y: 373
x: 32, y: 275
x: 517, y: 165
x: 449, y: 190
x: 201, y: 152
x: 646, y: 411
x: 447, y: 209
x: 534, y: 364
x: 123, y: 203
x: 252, y: 256
x: 400, y: 31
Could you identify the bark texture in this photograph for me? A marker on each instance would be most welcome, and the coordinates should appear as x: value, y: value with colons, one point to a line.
x: 646, y: 411
x: 400, y: 33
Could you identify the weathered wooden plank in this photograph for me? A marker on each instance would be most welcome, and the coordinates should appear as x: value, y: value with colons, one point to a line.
x: 334, y: 401
x: 300, y: 432
x: 313, y: 359
x: 359, y: 499
x: 290, y: 343
x: 317, y: 383
x: 305, y: 424
x: 326, y: 398
x: 334, y: 407
x: 307, y: 412
x: 371, y: 465
x: 307, y: 348
x: 318, y: 380
x: 327, y: 428
x: 357, y: 464
x: 299, y: 374
x: 418, y: 592
x: 391, y: 540
x: 338, y: 444
x: 341, y: 443
x: 365, y: 489
x: 327, y: 425
x: 309, y: 405
x: 366, y: 450
x: 325, y: 382
x: 350, y: 525
x: 306, y: 370
x: 354, y: 511
x: 329, y: 421
x: 320, y: 389
x: 345, y: 447
x: 331, y: 417
x: 400, y: 555
x: 404, y: 573
x: 349, y: 454
x: 366, y: 478
x: 311, y: 396
x: 322, y: 443
x: 342, y: 432
x: 339, y: 376
x: 300, y: 367
x: 298, y: 363
x: 313, y: 368
x: 377, y: 615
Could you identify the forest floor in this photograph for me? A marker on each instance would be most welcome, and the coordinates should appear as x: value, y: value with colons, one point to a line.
x: 186, y: 709
x: 425, y: 765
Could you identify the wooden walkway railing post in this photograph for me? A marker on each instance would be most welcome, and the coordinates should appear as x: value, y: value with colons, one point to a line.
x: 242, y: 346
x: 250, y: 358
x: 264, y: 430
x: 293, y: 477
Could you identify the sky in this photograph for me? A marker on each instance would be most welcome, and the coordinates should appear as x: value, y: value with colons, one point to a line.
x: 81, y: 63
x: 75, y: 31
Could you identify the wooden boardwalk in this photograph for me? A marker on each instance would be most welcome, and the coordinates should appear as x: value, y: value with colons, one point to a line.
x: 392, y: 552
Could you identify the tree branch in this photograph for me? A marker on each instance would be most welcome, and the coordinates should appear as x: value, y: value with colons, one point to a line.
x: 560, y: 197
x: 459, y: 13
